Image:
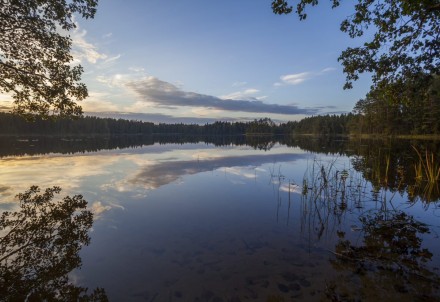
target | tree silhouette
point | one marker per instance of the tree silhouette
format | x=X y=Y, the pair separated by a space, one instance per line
x=404 y=45
x=39 y=246
x=35 y=57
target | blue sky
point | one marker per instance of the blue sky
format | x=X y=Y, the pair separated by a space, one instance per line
x=199 y=61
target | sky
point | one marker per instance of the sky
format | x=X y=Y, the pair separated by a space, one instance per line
x=199 y=61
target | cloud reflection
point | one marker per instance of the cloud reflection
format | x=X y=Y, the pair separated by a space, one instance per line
x=97 y=208
x=162 y=173
x=68 y=172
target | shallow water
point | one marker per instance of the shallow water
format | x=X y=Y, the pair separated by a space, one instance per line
x=200 y=222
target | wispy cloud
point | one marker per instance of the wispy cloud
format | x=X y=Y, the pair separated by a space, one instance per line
x=298 y=78
x=112 y=59
x=244 y=94
x=83 y=50
x=164 y=94
x=295 y=79
x=328 y=69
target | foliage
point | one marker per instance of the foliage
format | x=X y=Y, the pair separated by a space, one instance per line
x=35 y=59
x=323 y=125
x=40 y=245
x=261 y=126
x=405 y=42
x=401 y=107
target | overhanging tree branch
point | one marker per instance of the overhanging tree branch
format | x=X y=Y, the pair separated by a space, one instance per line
x=35 y=58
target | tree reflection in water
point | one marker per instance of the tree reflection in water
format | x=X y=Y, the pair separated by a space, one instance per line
x=390 y=261
x=39 y=246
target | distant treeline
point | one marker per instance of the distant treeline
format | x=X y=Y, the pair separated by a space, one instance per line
x=11 y=124
x=377 y=122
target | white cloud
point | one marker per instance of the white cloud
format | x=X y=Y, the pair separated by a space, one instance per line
x=83 y=50
x=251 y=91
x=296 y=78
x=108 y=35
x=245 y=94
x=328 y=69
x=116 y=80
x=112 y=59
x=120 y=79
x=262 y=97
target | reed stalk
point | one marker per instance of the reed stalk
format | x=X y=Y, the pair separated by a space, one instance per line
x=428 y=167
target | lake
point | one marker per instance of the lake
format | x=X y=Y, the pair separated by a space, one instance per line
x=230 y=218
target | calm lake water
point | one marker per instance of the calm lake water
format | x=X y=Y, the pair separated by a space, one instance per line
x=235 y=219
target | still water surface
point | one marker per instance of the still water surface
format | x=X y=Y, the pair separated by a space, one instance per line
x=264 y=221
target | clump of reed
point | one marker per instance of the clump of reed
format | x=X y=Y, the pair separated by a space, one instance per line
x=427 y=176
x=329 y=183
x=329 y=190
x=428 y=167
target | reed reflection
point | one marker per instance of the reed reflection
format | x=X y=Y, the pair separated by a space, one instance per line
x=380 y=256
x=40 y=245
